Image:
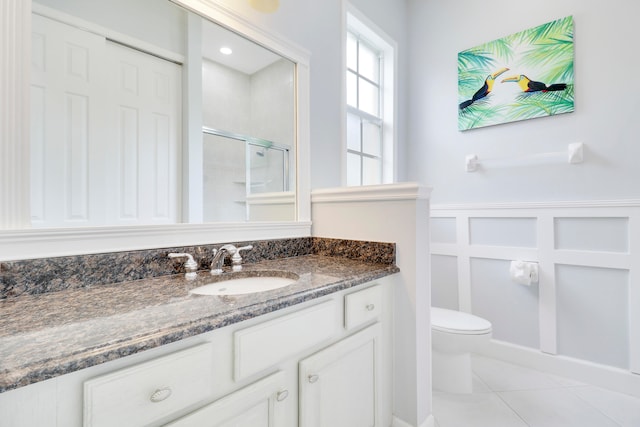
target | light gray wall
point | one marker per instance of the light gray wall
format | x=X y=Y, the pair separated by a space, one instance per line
x=604 y=118
x=226 y=95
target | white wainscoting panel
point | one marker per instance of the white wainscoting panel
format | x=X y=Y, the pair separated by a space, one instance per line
x=592 y=234
x=511 y=308
x=444 y=281
x=516 y=232
x=584 y=310
x=593 y=315
x=443 y=230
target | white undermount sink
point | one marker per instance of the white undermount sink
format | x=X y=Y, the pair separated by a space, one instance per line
x=244 y=285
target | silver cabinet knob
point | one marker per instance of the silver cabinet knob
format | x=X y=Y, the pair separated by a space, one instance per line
x=370 y=307
x=313 y=378
x=282 y=395
x=160 y=394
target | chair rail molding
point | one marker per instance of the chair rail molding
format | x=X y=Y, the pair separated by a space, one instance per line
x=370 y=193
x=567 y=204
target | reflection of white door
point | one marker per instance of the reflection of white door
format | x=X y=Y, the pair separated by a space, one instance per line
x=144 y=136
x=105 y=131
x=65 y=62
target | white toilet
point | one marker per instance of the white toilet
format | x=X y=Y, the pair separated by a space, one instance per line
x=454 y=336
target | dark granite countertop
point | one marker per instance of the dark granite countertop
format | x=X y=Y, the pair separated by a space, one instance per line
x=46 y=335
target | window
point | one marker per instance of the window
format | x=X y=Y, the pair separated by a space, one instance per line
x=369 y=100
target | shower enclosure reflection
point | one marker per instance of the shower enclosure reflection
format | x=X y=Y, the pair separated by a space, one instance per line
x=245 y=178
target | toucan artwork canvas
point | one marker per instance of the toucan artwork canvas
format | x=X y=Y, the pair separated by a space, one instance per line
x=522 y=76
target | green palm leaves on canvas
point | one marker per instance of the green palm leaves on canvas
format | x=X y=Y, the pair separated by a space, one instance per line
x=543 y=55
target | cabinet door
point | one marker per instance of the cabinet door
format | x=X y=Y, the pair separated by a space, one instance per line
x=257 y=405
x=338 y=385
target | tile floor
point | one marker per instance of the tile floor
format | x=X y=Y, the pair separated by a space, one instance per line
x=506 y=395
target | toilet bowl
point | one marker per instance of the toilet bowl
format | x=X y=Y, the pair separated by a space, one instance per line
x=454 y=336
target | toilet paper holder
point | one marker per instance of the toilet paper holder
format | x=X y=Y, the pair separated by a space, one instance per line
x=524 y=272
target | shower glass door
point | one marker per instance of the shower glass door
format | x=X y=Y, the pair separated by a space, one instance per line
x=236 y=166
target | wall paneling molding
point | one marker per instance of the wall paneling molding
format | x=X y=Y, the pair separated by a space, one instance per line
x=588 y=254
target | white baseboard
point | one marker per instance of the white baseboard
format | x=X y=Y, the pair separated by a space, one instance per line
x=429 y=422
x=604 y=376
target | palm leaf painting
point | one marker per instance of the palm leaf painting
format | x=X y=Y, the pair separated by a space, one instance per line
x=522 y=76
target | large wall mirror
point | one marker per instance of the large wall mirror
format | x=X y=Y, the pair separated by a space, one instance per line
x=111 y=83
x=147 y=112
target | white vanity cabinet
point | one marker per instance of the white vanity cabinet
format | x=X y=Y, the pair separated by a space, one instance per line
x=325 y=362
x=145 y=393
x=331 y=368
x=339 y=385
x=257 y=405
x=342 y=384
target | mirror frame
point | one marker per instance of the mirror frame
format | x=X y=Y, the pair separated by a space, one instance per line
x=18 y=241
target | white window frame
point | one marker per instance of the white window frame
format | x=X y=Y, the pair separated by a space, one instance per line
x=357 y=23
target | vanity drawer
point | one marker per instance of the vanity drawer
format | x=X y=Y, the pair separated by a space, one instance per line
x=147 y=392
x=362 y=306
x=265 y=345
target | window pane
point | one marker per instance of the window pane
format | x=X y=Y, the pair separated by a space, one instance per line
x=352 y=89
x=353 y=169
x=353 y=132
x=371 y=139
x=372 y=171
x=369 y=65
x=352 y=52
x=368 y=98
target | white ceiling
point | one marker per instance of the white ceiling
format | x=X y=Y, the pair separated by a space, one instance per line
x=247 y=57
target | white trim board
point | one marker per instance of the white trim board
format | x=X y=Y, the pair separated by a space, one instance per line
x=603 y=376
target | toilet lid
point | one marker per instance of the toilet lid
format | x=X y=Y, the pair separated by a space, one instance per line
x=458 y=322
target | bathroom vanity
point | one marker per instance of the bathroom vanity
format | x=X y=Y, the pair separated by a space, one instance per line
x=148 y=352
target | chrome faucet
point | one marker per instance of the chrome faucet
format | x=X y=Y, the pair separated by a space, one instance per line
x=218 y=257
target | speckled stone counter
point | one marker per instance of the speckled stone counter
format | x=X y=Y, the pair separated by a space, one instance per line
x=37 y=276
x=44 y=335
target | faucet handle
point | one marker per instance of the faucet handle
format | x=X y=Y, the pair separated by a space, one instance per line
x=236 y=259
x=190 y=266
